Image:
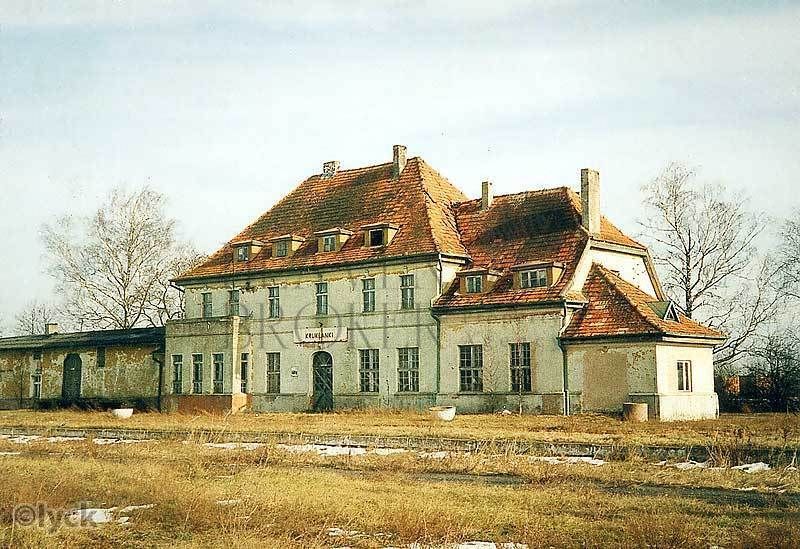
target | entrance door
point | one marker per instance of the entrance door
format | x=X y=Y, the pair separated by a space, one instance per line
x=322 y=399
x=71 y=381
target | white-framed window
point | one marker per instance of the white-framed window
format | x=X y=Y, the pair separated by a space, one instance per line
x=207 y=306
x=244 y=371
x=281 y=248
x=197 y=373
x=536 y=278
x=474 y=284
x=273 y=373
x=407 y=291
x=368 y=294
x=684 y=375
x=219 y=372
x=274 y=301
x=177 y=374
x=329 y=243
x=242 y=253
x=376 y=237
x=408 y=369
x=470 y=368
x=36 y=384
x=369 y=370
x=233 y=302
x=322 y=298
x=520 y=365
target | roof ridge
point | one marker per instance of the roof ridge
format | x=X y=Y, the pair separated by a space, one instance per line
x=520 y=193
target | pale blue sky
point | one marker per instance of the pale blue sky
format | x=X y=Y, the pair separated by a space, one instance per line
x=226 y=106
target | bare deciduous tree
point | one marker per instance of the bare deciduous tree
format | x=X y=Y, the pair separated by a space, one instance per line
x=775 y=372
x=790 y=257
x=32 y=319
x=704 y=245
x=113 y=268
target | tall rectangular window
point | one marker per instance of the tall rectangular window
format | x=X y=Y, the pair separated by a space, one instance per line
x=536 y=278
x=474 y=284
x=197 y=373
x=407 y=291
x=329 y=243
x=233 y=302
x=520 y=367
x=273 y=373
x=101 y=357
x=177 y=374
x=322 y=298
x=684 y=375
x=36 y=384
x=368 y=370
x=207 y=307
x=408 y=369
x=274 y=301
x=470 y=368
x=244 y=371
x=219 y=371
x=368 y=293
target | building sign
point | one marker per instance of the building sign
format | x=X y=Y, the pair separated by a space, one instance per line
x=320 y=335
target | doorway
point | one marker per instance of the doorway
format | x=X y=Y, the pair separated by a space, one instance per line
x=322 y=368
x=71 y=381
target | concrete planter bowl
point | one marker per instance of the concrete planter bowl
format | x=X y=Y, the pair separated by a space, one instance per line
x=443 y=413
x=122 y=413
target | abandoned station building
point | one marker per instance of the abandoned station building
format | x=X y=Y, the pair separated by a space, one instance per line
x=385 y=286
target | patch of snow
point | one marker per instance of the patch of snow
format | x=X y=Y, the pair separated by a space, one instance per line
x=687 y=465
x=64 y=439
x=571 y=460
x=91 y=515
x=752 y=467
x=24 y=439
x=389 y=451
x=228 y=502
x=10 y=453
x=233 y=445
x=339 y=532
x=323 y=449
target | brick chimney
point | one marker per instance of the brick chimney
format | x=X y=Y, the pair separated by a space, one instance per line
x=399 y=159
x=590 y=200
x=330 y=168
x=50 y=328
x=487 y=196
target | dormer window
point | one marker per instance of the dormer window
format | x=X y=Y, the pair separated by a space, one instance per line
x=245 y=250
x=474 y=284
x=286 y=245
x=243 y=253
x=332 y=240
x=379 y=234
x=542 y=274
x=477 y=280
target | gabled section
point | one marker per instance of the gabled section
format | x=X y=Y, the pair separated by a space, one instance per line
x=332 y=240
x=477 y=280
x=379 y=234
x=537 y=274
x=286 y=245
x=245 y=250
x=666 y=310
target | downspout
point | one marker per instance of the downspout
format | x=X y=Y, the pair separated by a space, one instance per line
x=438 y=336
x=159 y=358
x=564 y=365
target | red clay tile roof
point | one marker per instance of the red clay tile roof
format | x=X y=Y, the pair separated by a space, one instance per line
x=617 y=307
x=419 y=201
x=533 y=226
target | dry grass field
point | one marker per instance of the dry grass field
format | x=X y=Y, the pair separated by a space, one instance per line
x=199 y=494
x=270 y=497
x=769 y=430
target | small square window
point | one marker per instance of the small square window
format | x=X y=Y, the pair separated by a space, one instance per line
x=474 y=284
x=376 y=237
x=243 y=253
x=536 y=278
x=329 y=243
x=281 y=248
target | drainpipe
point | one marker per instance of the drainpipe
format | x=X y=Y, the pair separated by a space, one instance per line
x=564 y=365
x=438 y=336
x=159 y=359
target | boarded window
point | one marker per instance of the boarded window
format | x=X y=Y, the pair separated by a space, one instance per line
x=407 y=291
x=368 y=370
x=408 y=369
x=368 y=294
x=273 y=373
x=470 y=368
x=177 y=374
x=520 y=367
x=197 y=373
x=219 y=372
x=101 y=357
x=684 y=375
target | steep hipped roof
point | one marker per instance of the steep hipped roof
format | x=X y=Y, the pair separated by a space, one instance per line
x=419 y=201
x=99 y=338
x=618 y=308
x=534 y=226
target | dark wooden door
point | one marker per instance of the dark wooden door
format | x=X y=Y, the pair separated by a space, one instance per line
x=71 y=382
x=322 y=399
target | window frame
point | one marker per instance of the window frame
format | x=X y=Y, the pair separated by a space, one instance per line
x=100 y=360
x=36 y=384
x=533 y=278
x=244 y=372
x=407 y=297
x=322 y=298
x=243 y=253
x=272 y=376
x=197 y=373
x=369 y=371
x=329 y=243
x=207 y=305
x=273 y=302
x=475 y=289
x=520 y=367
x=281 y=248
x=234 y=304
x=368 y=295
x=177 y=374
x=218 y=362
x=408 y=369
x=372 y=233
x=470 y=369
x=684 y=371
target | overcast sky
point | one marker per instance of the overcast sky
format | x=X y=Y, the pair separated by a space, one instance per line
x=224 y=107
